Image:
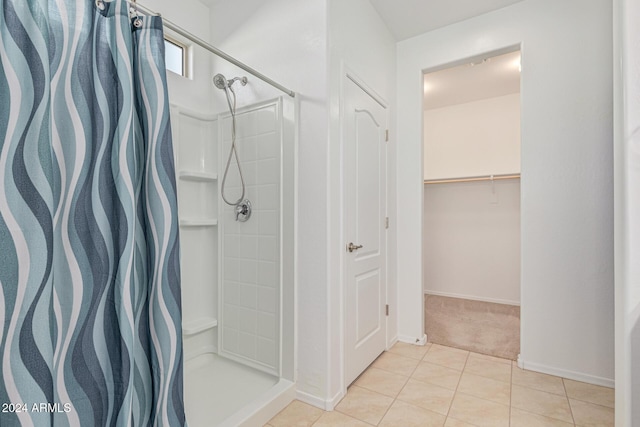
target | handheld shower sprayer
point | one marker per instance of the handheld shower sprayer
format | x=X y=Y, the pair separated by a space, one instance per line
x=220 y=81
x=242 y=205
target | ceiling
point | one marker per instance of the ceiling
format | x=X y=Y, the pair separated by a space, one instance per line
x=481 y=79
x=409 y=18
x=404 y=18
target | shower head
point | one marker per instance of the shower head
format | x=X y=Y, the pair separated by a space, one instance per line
x=221 y=81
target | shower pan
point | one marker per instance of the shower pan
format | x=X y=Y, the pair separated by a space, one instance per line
x=238 y=276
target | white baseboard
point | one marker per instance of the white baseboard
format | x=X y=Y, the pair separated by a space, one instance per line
x=318 y=402
x=311 y=399
x=565 y=373
x=332 y=403
x=392 y=342
x=472 y=297
x=413 y=340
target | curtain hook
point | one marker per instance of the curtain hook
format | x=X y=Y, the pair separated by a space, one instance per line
x=100 y=4
x=137 y=21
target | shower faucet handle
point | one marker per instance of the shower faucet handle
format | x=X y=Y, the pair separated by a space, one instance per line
x=243 y=211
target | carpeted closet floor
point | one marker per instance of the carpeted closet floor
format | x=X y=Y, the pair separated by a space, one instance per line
x=481 y=327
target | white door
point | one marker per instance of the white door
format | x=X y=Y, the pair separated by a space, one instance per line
x=364 y=130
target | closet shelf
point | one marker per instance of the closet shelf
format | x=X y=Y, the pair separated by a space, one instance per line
x=473 y=178
x=199 y=325
x=205 y=222
x=197 y=176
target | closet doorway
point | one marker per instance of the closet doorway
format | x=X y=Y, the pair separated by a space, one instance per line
x=471 y=218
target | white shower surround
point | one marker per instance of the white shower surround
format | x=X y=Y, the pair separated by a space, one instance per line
x=237 y=278
x=250 y=251
x=196 y=123
x=196 y=157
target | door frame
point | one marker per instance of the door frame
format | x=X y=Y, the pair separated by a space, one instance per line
x=443 y=66
x=347 y=74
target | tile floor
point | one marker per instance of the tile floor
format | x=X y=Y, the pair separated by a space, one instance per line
x=443 y=386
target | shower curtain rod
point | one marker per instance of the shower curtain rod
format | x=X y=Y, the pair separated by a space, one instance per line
x=472 y=179
x=177 y=29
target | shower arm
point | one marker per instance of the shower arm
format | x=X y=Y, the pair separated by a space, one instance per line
x=243 y=81
x=197 y=40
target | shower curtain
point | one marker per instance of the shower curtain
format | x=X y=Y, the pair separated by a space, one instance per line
x=90 y=310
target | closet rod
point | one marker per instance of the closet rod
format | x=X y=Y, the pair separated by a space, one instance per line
x=472 y=179
x=184 y=33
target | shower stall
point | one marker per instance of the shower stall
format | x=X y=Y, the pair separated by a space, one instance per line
x=237 y=266
x=235 y=173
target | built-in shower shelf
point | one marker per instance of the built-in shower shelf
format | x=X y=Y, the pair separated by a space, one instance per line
x=208 y=222
x=199 y=325
x=198 y=176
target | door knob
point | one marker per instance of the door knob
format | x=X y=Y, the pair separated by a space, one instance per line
x=351 y=247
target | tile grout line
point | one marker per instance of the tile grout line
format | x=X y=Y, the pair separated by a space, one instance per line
x=455 y=393
x=398 y=394
x=459 y=379
x=510 y=391
x=404 y=385
x=566 y=395
x=410 y=376
x=387 y=411
x=482 y=398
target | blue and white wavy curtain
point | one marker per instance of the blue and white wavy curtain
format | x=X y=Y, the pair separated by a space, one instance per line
x=90 y=310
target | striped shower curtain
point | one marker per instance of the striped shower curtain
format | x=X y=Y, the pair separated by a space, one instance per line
x=90 y=310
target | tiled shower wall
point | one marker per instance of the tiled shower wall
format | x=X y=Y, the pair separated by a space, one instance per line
x=250 y=276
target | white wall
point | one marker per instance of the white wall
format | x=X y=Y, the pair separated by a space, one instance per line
x=472 y=240
x=360 y=42
x=472 y=230
x=193 y=93
x=627 y=196
x=567 y=187
x=289 y=41
x=473 y=139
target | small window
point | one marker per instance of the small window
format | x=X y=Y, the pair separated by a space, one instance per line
x=175 y=57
